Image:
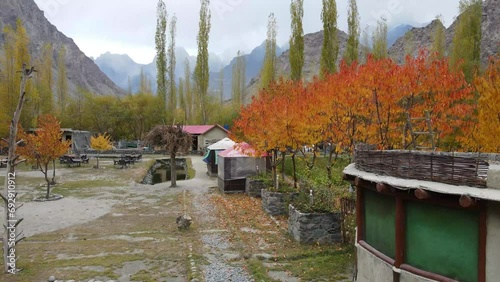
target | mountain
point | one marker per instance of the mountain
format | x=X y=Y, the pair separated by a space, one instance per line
x=396 y=33
x=490 y=43
x=81 y=70
x=253 y=62
x=423 y=37
x=313 y=43
x=121 y=68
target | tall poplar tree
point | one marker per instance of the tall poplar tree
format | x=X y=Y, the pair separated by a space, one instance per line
x=330 y=50
x=439 y=40
x=172 y=104
x=380 y=40
x=268 y=72
x=239 y=80
x=352 y=50
x=467 y=40
x=201 y=71
x=62 y=83
x=297 y=39
x=46 y=80
x=187 y=91
x=182 y=99
x=161 y=54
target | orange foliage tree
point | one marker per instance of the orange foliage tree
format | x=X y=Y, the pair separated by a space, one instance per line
x=44 y=146
x=488 y=87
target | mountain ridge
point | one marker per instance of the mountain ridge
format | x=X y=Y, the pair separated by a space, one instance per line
x=81 y=70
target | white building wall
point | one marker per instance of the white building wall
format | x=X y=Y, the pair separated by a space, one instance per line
x=493 y=243
x=371 y=268
x=410 y=277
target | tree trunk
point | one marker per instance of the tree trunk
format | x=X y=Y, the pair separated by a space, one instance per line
x=283 y=155
x=10 y=220
x=45 y=173
x=294 y=171
x=97 y=167
x=53 y=181
x=173 y=170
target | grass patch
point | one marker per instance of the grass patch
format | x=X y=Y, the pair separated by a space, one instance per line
x=191 y=172
x=259 y=271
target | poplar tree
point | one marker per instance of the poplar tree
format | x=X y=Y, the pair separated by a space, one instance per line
x=297 y=39
x=439 y=40
x=187 y=91
x=46 y=79
x=467 y=39
x=201 y=71
x=380 y=40
x=330 y=50
x=239 y=80
x=182 y=99
x=409 y=43
x=161 y=55
x=62 y=82
x=172 y=105
x=352 y=48
x=268 y=72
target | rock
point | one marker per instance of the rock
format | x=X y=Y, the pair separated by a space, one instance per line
x=183 y=222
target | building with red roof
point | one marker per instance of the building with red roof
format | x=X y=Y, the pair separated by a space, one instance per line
x=205 y=135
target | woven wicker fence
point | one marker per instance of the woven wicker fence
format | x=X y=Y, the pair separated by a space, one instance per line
x=469 y=170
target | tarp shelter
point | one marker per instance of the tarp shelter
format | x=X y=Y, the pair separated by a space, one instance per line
x=236 y=164
x=211 y=157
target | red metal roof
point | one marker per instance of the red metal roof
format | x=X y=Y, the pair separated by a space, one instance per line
x=200 y=129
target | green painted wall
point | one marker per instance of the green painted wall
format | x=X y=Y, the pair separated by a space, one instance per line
x=442 y=240
x=380 y=222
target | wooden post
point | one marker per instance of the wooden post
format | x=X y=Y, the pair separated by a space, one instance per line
x=421 y=194
x=360 y=212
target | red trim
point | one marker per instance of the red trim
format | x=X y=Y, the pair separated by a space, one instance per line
x=425 y=274
x=360 y=213
x=376 y=253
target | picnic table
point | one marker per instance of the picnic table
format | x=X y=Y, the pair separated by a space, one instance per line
x=125 y=160
x=3 y=162
x=74 y=160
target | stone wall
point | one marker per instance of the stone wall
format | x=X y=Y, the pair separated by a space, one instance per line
x=148 y=179
x=276 y=203
x=308 y=228
x=254 y=187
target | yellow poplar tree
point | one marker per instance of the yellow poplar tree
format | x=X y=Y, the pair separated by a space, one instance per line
x=488 y=87
x=100 y=143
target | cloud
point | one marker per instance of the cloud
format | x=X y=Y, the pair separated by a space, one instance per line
x=129 y=25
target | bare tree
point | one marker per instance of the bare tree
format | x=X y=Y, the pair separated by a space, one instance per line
x=11 y=237
x=173 y=139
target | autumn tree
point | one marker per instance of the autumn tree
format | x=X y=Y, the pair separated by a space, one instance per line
x=174 y=140
x=297 y=39
x=100 y=143
x=44 y=146
x=161 y=54
x=488 y=87
x=330 y=50
x=352 y=48
x=172 y=104
x=466 y=50
x=201 y=71
x=268 y=72
x=379 y=40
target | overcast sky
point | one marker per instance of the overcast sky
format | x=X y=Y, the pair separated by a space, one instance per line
x=128 y=26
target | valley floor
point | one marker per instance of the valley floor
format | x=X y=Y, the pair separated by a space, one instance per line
x=110 y=228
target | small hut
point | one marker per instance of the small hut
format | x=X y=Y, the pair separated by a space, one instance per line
x=211 y=157
x=236 y=164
